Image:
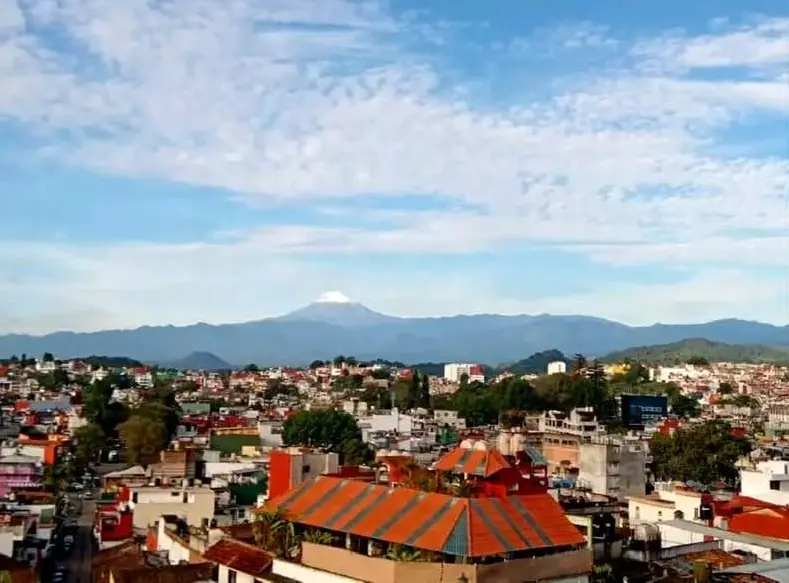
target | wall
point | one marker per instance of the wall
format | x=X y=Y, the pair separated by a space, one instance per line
x=148 y=509
x=575 y=565
x=305 y=574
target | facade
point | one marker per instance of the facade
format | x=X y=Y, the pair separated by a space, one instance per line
x=777 y=420
x=194 y=503
x=453 y=372
x=613 y=468
x=290 y=467
x=768 y=481
x=19 y=471
x=557 y=367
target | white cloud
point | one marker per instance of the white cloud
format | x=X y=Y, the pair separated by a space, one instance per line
x=296 y=99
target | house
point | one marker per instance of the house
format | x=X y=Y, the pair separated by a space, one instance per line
x=351 y=527
x=19 y=471
x=194 y=503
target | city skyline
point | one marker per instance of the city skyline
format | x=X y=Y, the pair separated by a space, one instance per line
x=224 y=162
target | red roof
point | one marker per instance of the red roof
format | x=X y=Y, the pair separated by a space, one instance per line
x=467 y=527
x=478 y=462
x=239 y=556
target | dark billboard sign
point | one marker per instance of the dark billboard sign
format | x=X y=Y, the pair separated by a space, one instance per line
x=638 y=410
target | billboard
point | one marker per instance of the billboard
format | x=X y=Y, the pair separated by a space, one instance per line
x=638 y=410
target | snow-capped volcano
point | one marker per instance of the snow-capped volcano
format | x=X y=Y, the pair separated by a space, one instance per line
x=333 y=297
x=334 y=307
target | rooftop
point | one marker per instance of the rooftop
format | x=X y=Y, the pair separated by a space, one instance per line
x=468 y=527
x=478 y=462
x=239 y=556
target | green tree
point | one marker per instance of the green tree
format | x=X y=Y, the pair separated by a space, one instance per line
x=48 y=357
x=424 y=392
x=705 y=453
x=60 y=377
x=251 y=368
x=143 y=438
x=327 y=429
x=316 y=364
x=725 y=388
x=684 y=406
x=355 y=453
x=90 y=439
x=338 y=360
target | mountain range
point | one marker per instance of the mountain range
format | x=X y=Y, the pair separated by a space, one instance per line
x=335 y=325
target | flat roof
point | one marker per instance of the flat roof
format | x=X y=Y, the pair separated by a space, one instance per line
x=749 y=539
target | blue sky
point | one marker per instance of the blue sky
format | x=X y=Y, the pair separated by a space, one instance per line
x=198 y=160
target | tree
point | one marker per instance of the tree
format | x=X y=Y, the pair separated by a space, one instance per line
x=725 y=388
x=705 y=453
x=48 y=357
x=684 y=406
x=698 y=361
x=424 y=392
x=355 y=453
x=316 y=364
x=579 y=363
x=338 y=360
x=329 y=430
x=60 y=377
x=251 y=368
x=89 y=439
x=143 y=438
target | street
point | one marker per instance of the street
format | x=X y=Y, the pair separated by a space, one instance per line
x=74 y=550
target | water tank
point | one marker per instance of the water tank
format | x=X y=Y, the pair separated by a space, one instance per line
x=517 y=443
x=467 y=444
x=504 y=443
x=646 y=531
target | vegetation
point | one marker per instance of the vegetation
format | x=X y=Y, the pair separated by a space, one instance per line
x=701 y=352
x=537 y=363
x=334 y=431
x=705 y=453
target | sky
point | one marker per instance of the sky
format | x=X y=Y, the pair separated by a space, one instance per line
x=181 y=161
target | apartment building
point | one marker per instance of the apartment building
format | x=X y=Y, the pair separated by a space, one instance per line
x=195 y=504
x=613 y=467
x=453 y=372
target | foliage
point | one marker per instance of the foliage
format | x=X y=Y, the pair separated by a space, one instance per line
x=98 y=406
x=701 y=351
x=319 y=537
x=684 y=406
x=405 y=554
x=725 y=388
x=89 y=440
x=110 y=362
x=275 y=533
x=143 y=437
x=355 y=452
x=56 y=476
x=331 y=430
x=537 y=363
x=705 y=453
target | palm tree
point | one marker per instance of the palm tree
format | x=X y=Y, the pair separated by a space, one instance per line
x=319 y=537
x=404 y=554
x=274 y=532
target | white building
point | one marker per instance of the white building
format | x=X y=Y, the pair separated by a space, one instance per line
x=580 y=422
x=453 y=372
x=557 y=367
x=769 y=481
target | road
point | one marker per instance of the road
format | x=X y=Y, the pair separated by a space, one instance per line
x=77 y=557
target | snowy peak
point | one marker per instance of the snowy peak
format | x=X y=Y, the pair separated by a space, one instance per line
x=333 y=297
x=337 y=309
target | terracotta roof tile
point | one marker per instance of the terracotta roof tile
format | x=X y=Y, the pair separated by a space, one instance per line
x=437 y=522
x=484 y=463
x=239 y=556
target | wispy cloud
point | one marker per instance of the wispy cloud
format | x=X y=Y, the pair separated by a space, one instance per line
x=300 y=102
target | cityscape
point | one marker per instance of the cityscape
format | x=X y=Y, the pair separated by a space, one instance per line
x=386 y=291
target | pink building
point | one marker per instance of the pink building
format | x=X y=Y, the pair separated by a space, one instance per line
x=19 y=471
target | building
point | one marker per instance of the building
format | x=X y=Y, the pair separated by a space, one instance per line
x=777 y=421
x=768 y=481
x=19 y=471
x=557 y=367
x=194 y=503
x=453 y=372
x=290 y=467
x=380 y=534
x=614 y=468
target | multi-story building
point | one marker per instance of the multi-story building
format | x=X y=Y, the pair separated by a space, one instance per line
x=613 y=467
x=19 y=471
x=777 y=420
x=454 y=371
x=768 y=481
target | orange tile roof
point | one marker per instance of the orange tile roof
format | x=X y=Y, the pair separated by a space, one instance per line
x=468 y=527
x=239 y=556
x=479 y=462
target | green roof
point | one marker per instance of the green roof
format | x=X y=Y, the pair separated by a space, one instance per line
x=233 y=443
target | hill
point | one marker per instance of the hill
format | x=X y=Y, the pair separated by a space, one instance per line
x=334 y=327
x=700 y=348
x=199 y=361
x=537 y=363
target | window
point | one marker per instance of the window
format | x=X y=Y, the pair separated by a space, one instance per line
x=638 y=512
x=679 y=515
x=306 y=469
x=231 y=576
x=134 y=497
x=659 y=515
x=775 y=485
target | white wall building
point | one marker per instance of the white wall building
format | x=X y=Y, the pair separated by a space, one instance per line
x=453 y=371
x=557 y=367
x=769 y=481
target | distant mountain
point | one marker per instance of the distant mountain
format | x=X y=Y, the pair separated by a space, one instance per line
x=680 y=352
x=537 y=363
x=335 y=325
x=199 y=361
